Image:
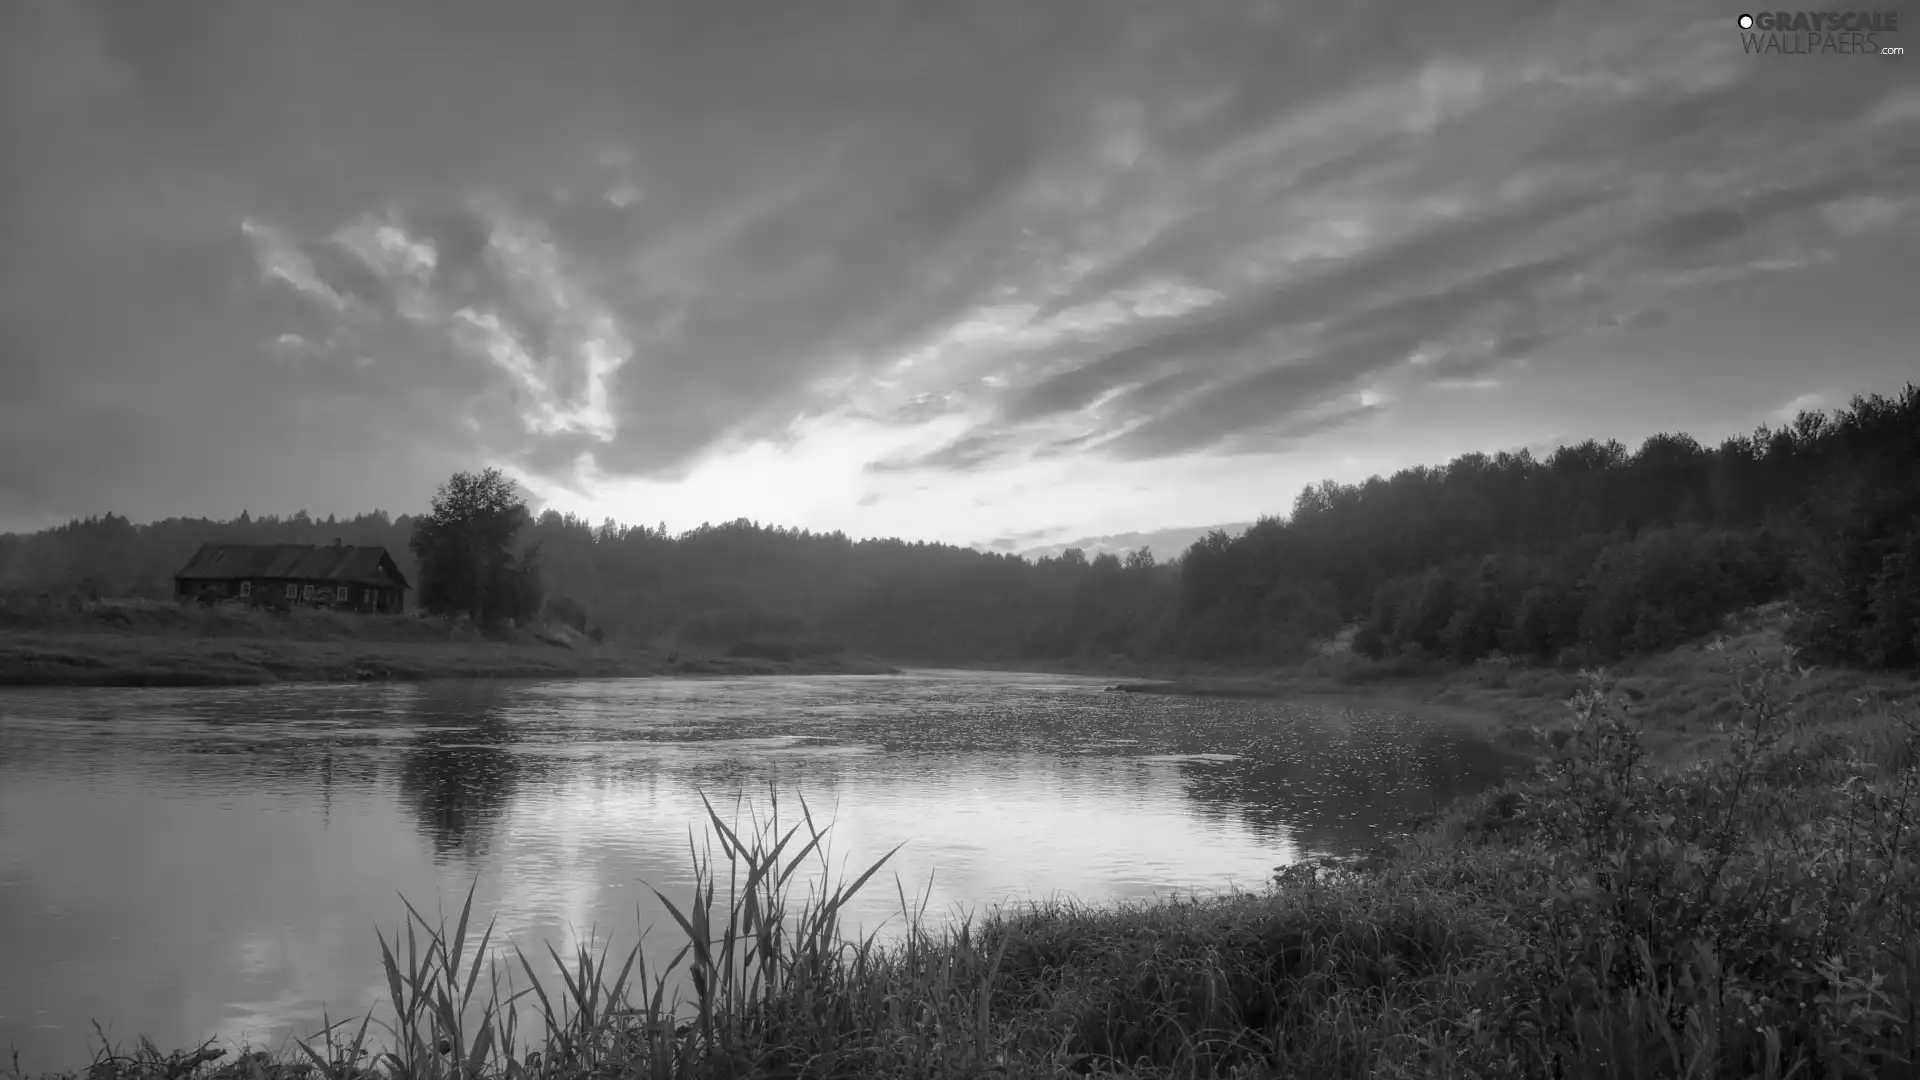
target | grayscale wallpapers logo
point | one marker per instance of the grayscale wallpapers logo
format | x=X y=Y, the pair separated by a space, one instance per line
x=1809 y=33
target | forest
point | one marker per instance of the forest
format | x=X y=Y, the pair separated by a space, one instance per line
x=1580 y=557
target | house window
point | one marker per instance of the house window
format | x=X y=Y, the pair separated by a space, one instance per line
x=293 y=591
x=246 y=588
x=306 y=593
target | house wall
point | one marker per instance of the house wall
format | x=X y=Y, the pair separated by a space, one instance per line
x=193 y=587
x=329 y=594
x=299 y=592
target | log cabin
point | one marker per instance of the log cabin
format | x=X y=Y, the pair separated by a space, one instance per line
x=340 y=576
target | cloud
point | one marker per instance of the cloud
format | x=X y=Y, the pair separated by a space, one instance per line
x=1558 y=256
x=1813 y=401
x=963 y=453
x=1633 y=319
x=1217 y=334
x=1870 y=213
x=1166 y=544
x=974 y=237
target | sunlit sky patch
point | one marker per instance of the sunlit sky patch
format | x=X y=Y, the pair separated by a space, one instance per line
x=958 y=272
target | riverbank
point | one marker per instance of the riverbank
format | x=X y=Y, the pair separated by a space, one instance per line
x=1754 y=914
x=1683 y=696
x=160 y=645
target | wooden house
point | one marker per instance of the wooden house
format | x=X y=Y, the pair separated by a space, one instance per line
x=336 y=576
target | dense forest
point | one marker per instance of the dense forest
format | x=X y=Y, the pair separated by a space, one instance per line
x=1584 y=556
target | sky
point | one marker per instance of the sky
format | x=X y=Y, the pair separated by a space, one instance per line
x=999 y=273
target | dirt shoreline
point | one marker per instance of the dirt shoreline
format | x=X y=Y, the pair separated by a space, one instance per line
x=92 y=658
x=1503 y=717
x=117 y=660
x=1683 y=695
x=1684 y=699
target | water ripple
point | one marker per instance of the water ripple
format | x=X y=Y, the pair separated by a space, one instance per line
x=191 y=862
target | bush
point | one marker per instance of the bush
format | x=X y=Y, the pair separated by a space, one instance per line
x=1754 y=914
x=1409 y=664
x=1890 y=636
x=716 y=628
x=273 y=600
x=1369 y=642
x=762 y=650
x=1423 y=620
x=1748 y=915
x=568 y=612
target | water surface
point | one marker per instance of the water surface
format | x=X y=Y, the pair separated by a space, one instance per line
x=212 y=862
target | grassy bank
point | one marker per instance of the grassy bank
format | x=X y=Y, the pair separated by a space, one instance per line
x=167 y=645
x=1751 y=911
x=1685 y=695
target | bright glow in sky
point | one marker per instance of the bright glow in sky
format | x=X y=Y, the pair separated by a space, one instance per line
x=983 y=272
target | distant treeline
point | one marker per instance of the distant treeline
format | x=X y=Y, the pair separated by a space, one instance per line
x=1593 y=553
x=1584 y=556
x=112 y=557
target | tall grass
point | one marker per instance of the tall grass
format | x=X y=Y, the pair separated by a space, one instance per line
x=1753 y=913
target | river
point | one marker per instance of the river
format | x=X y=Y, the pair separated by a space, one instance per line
x=213 y=862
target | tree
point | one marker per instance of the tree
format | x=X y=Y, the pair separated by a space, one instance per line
x=1588 y=553
x=568 y=611
x=467 y=552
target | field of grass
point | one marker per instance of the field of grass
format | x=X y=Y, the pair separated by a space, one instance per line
x=156 y=644
x=1685 y=695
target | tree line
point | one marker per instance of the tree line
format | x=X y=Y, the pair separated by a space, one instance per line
x=1585 y=555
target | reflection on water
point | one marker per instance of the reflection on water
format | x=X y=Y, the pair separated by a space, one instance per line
x=457 y=772
x=187 y=863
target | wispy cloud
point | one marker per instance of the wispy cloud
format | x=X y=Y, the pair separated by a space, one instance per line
x=590 y=244
x=1813 y=401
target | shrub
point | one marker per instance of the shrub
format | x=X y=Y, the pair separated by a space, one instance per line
x=763 y=650
x=1545 y=621
x=1890 y=636
x=1423 y=620
x=1752 y=914
x=1369 y=641
x=567 y=611
x=1748 y=915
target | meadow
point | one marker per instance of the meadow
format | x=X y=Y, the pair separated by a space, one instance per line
x=156 y=643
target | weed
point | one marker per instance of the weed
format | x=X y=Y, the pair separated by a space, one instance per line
x=1751 y=912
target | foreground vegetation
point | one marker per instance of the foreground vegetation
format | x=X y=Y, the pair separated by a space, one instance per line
x=1686 y=693
x=1754 y=911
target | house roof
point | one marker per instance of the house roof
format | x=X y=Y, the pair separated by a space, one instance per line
x=305 y=562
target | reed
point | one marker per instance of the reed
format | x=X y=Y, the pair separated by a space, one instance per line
x=1752 y=912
